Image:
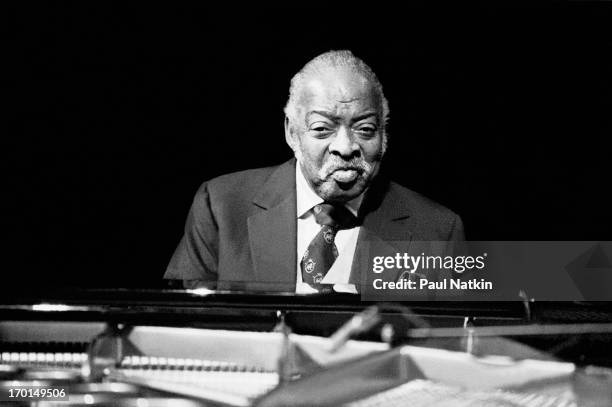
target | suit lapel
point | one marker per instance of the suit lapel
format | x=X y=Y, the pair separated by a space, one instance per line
x=273 y=231
x=384 y=230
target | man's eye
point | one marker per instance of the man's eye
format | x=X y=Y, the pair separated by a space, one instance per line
x=367 y=130
x=320 y=126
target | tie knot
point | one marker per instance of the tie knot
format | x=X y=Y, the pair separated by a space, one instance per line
x=337 y=216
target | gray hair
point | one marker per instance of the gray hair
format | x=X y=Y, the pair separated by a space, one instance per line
x=334 y=59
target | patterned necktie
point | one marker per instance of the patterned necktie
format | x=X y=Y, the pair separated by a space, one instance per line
x=322 y=251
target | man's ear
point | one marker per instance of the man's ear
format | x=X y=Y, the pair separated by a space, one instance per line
x=290 y=136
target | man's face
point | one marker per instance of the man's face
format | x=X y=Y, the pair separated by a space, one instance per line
x=338 y=137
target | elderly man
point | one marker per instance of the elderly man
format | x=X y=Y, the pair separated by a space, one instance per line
x=304 y=225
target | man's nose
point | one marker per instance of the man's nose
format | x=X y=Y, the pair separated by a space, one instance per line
x=343 y=143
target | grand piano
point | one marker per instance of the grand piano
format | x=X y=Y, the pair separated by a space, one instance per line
x=202 y=348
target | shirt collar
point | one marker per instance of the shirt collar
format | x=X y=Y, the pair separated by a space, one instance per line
x=307 y=198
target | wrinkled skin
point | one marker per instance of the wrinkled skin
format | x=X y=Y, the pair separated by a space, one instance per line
x=337 y=137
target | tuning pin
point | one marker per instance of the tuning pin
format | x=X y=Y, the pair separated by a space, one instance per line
x=387 y=333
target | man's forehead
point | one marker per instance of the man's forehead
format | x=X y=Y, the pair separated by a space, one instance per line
x=338 y=89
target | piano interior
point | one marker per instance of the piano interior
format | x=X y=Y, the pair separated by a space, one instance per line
x=272 y=354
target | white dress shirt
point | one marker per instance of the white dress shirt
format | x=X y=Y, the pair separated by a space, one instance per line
x=307 y=229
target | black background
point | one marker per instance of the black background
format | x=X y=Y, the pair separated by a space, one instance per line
x=120 y=112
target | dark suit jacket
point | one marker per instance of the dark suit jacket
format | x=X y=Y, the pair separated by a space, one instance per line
x=241 y=230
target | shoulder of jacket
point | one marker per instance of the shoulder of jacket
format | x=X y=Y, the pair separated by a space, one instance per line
x=246 y=182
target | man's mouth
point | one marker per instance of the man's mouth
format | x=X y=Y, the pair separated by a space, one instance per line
x=345 y=175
